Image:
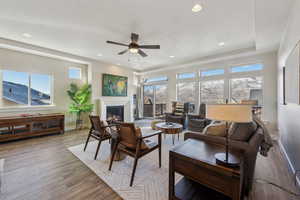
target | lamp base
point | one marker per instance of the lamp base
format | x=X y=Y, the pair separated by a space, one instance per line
x=231 y=162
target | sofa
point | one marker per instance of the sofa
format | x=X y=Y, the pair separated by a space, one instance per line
x=238 y=140
x=197 y=122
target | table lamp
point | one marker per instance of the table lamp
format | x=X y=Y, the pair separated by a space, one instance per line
x=229 y=113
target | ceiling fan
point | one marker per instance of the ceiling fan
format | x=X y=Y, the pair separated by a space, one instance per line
x=134 y=47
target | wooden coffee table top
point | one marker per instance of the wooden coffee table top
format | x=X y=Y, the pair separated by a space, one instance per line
x=163 y=126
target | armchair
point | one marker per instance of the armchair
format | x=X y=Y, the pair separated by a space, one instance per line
x=177 y=115
x=249 y=149
x=99 y=132
x=133 y=143
x=198 y=122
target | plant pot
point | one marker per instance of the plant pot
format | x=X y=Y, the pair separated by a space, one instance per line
x=79 y=124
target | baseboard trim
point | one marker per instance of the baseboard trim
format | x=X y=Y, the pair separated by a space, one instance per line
x=289 y=161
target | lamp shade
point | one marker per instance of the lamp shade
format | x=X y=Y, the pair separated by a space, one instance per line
x=229 y=112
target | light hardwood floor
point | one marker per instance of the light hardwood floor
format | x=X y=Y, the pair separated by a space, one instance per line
x=43 y=168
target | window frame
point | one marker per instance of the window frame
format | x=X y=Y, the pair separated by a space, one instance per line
x=212 y=76
x=28 y=105
x=223 y=78
x=247 y=64
x=156 y=82
x=80 y=74
x=186 y=79
x=248 y=76
x=190 y=81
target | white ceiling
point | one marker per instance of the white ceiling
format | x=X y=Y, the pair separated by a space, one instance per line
x=82 y=27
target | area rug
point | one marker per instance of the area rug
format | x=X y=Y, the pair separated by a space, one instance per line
x=150 y=183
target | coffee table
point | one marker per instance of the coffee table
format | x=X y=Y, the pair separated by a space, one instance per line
x=172 y=128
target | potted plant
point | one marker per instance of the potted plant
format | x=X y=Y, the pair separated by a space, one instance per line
x=81 y=101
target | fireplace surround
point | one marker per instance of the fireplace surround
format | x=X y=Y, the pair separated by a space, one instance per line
x=115 y=113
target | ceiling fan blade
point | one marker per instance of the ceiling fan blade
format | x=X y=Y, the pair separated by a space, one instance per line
x=117 y=43
x=122 y=52
x=142 y=53
x=134 y=37
x=149 y=46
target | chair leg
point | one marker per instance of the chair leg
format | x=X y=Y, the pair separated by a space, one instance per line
x=133 y=171
x=178 y=136
x=159 y=150
x=173 y=138
x=113 y=156
x=98 y=147
x=136 y=157
x=87 y=141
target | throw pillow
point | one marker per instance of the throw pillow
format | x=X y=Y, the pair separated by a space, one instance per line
x=216 y=129
x=242 y=131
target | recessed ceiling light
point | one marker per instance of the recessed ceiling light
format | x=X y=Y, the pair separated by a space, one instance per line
x=172 y=56
x=222 y=44
x=27 y=35
x=197 y=8
x=99 y=54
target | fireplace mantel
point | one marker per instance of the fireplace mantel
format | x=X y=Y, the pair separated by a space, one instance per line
x=103 y=103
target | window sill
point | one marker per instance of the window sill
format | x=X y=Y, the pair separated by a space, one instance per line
x=27 y=108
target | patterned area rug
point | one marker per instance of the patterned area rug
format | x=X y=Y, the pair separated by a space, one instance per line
x=150 y=183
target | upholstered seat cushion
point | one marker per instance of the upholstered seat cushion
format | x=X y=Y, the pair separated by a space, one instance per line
x=242 y=131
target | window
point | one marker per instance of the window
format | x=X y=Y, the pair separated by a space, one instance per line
x=212 y=91
x=74 y=73
x=155 y=95
x=247 y=68
x=186 y=92
x=14 y=88
x=161 y=99
x=16 y=92
x=40 y=89
x=186 y=75
x=156 y=79
x=246 y=89
x=212 y=72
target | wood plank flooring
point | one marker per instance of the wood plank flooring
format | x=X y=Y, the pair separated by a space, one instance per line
x=43 y=169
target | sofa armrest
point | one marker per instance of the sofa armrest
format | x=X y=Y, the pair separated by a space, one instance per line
x=238 y=145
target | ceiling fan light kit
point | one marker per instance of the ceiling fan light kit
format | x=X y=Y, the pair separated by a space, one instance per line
x=134 y=47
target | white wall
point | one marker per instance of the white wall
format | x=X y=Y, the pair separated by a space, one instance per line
x=98 y=69
x=47 y=61
x=289 y=115
x=269 y=60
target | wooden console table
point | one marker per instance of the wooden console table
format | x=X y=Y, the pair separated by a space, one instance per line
x=19 y=127
x=203 y=178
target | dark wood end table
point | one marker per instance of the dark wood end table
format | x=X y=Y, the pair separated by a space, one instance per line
x=203 y=178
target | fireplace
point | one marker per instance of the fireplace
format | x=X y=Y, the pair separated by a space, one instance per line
x=115 y=113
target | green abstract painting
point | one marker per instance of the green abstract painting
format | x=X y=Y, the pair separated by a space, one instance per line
x=113 y=85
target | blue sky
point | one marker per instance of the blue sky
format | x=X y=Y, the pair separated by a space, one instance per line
x=39 y=82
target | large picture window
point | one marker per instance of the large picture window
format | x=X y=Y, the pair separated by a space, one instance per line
x=24 y=89
x=212 y=91
x=244 y=89
x=186 y=92
x=40 y=89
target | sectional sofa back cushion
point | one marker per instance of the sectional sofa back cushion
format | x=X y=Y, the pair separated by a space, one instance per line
x=242 y=131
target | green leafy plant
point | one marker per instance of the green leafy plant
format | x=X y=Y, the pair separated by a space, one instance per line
x=81 y=101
